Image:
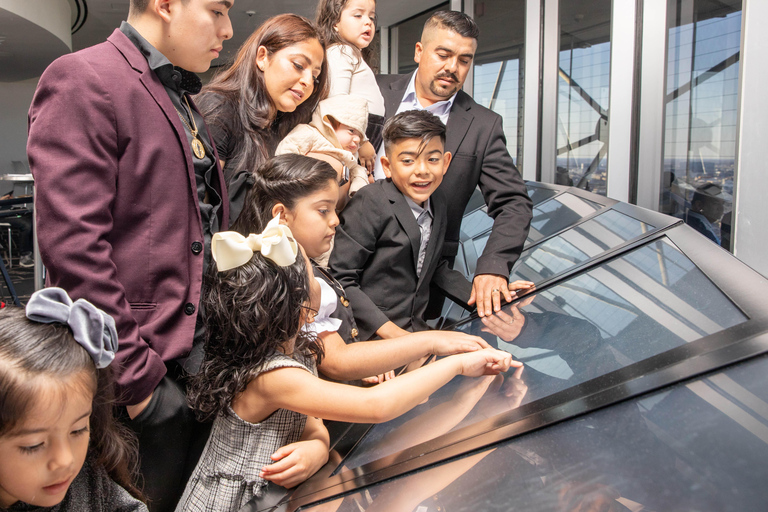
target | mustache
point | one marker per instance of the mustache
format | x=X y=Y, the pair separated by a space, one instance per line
x=447 y=74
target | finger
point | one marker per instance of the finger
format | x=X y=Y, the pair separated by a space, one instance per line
x=495 y=322
x=278 y=467
x=507 y=294
x=473 y=296
x=283 y=451
x=519 y=372
x=480 y=342
x=499 y=359
x=283 y=479
x=461 y=347
x=503 y=317
x=487 y=302
x=496 y=298
x=520 y=285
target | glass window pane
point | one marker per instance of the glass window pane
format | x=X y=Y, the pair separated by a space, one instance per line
x=499 y=64
x=647 y=302
x=539 y=194
x=476 y=223
x=575 y=246
x=700 y=114
x=551 y=216
x=583 y=92
x=699 y=445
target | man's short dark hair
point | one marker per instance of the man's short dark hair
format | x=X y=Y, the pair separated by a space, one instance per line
x=413 y=124
x=455 y=21
x=139 y=6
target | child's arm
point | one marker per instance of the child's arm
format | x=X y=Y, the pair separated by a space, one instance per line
x=359 y=360
x=297 y=390
x=367 y=155
x=296 y=462
x=390 y=330
x=341 y=66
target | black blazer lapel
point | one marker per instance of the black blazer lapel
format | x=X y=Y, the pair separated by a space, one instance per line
x=458 y=123
x=405 y=218
x=393 y=94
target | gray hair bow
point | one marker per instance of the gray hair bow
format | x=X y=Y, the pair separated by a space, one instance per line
x=91 y=327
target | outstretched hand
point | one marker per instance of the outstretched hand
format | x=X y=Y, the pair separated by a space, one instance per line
x=446 y=343
x=488 y=290
x=488 y=361
x=295 y=463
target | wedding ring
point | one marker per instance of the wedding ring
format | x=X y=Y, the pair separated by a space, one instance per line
x=495 y=290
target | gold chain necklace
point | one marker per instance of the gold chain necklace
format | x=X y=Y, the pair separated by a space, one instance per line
x=197 y=147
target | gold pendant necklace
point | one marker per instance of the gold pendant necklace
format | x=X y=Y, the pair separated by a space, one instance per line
x=197 y=147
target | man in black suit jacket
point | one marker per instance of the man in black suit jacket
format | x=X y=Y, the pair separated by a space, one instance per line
x=476 y=139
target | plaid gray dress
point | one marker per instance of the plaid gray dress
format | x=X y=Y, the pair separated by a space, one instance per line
x=227 y=475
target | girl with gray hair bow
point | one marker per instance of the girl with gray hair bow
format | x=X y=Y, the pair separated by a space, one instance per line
x=60 y=447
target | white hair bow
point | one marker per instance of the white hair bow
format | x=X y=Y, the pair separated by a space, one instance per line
x=230 y=249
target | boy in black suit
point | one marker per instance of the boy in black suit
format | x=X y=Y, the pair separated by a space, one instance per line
x=389 y=245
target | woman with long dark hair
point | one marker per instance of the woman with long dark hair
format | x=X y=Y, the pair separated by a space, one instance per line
x=278 y=77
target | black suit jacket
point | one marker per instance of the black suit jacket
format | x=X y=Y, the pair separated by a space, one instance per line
x=375 y=254
x=476 y=139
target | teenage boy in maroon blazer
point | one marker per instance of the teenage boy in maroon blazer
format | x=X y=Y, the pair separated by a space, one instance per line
x=128 y=192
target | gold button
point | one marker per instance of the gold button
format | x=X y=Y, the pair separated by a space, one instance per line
x=354 y=333
x=344 y=302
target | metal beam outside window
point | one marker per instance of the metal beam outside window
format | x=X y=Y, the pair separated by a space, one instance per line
x=623 y=25
x=531 y=88
x=551 y=67
x=650 y=158
x=749 y=210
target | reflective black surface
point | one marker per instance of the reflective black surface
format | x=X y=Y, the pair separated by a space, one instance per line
x=611 y=411
x=700 y=445
x=539 y=194
x=600 y=234
x=558 y=213
x=622 y=312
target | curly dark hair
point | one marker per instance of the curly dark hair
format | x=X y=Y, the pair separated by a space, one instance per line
x=31 y=349
x=250 y=312
x=237 y=97
x=328 y=15
x=281 y=179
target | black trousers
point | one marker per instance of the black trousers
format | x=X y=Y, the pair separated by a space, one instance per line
x=170 y=442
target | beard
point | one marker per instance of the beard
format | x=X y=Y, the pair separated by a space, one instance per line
x=444 y=91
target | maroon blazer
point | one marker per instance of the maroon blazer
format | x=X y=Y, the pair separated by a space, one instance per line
x=118 y=220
